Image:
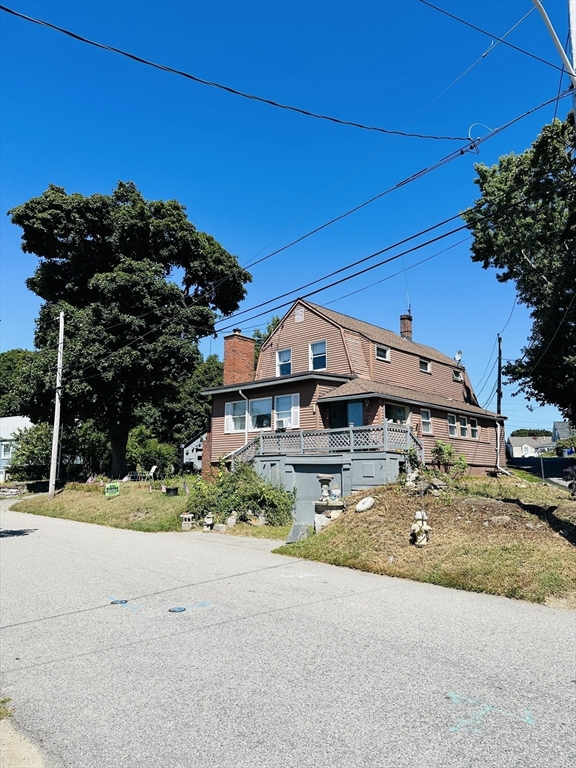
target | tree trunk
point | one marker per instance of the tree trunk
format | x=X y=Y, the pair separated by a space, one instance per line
x=118 y=469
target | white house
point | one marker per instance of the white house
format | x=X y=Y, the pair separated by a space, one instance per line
x=9 y=426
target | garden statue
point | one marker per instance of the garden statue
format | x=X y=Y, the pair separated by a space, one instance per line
x=420 y=530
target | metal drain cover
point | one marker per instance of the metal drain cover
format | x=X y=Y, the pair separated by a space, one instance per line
x=177 y=609
x=119 y=602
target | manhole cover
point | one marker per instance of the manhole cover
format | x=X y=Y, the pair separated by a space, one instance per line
x=177 y=609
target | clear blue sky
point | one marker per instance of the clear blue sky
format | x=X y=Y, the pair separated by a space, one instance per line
x=252 y=175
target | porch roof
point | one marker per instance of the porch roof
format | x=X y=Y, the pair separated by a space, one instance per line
x=361 y=388
x=279 y=381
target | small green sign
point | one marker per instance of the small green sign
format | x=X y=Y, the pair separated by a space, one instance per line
x=112 y=489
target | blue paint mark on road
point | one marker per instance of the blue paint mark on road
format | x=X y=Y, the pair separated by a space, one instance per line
x=201 y=604
x=123 y=603
x=479 y=711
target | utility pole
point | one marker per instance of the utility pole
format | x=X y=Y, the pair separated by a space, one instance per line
x=499 y=385
x=55 y=433
x=568 y=65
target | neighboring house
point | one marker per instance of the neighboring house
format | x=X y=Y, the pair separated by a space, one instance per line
x=562 y=430
x=334 y=394
x=518 y=447
x=9 y=425
x=192 y=451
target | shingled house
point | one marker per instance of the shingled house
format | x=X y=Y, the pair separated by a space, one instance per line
x=334 y=394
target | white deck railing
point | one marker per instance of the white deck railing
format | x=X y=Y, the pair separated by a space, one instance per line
x=379 y=437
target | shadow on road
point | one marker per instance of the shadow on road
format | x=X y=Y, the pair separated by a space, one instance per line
x=8 y=533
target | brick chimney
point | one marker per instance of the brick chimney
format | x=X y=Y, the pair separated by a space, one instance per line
x=406 y=326
x=238 y=358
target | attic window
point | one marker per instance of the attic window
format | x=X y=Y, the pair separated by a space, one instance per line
x=425 y=365
x=382 y=353
x=299 y=315
x=457 y=376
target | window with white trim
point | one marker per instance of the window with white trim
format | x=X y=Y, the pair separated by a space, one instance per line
x=283 y=362
x=426 y=418
x=6 y=450
x=395 y=414
x=463 y=422
x=318 y=356
x=287 y=411
x=474 y=432
x=457 y=376
x=235 y=416
x=260 y=413
x=452 y=425
x=425 y=365
x=382 y=353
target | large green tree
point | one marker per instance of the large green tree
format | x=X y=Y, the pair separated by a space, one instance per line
x=139 y=285
x=14 y=366
x=524 y=225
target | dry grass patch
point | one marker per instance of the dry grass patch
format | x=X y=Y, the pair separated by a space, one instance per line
x=525 y=557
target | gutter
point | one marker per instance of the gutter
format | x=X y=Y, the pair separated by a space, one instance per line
x=498 y=467
x=245 y=417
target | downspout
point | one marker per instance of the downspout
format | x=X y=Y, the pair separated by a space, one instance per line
x=245 y=417
x=498 y=467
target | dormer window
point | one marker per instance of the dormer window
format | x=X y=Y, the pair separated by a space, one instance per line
x=457 y=376
x=284 y=362
x=425 y=365
x=382 y=353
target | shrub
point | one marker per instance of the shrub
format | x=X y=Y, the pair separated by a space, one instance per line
x=443 y=455
x=242 y=491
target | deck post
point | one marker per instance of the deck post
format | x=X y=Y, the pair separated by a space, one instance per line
x=351 y=439
x=302 y=442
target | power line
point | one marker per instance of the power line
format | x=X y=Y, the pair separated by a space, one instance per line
x=404 y=269
x=471 y=146
x=406 y=124
x=226 y=88
x=489 y=34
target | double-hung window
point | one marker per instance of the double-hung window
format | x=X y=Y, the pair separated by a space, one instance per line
x=287 y=411
x=463 y=421
x=6 y=450
x=452 y=425
x=396 y=414
x=235 y=416
x=318 y=356
x=261 y=413
x=284 y=362
x=474 y=433
x=426 y=418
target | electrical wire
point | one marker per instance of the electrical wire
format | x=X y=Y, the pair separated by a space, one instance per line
x=226 y=88
x=471 y=146
x=489 y=34
x=403 y=270
x=489 y=50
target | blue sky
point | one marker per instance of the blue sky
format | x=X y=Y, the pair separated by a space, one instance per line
x=256 y=177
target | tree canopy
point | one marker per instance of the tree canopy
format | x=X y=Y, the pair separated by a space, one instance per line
x=111 y=263
x=531 y=433
x=524 y=225
x=13 y=366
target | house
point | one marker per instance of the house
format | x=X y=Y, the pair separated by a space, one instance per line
x=334 y=394
x=562 y=430
x=9 y=426
x=521 y=447
x=192 y=451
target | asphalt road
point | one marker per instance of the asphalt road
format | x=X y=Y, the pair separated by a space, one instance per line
x=275 y=661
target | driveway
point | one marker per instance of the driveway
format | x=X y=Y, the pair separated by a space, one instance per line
x=275 y=662
x=553 y=467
